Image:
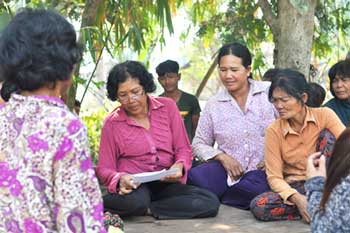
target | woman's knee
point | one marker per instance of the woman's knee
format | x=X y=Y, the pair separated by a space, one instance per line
x=206 y=203
x=129 y=205
x=258 y=207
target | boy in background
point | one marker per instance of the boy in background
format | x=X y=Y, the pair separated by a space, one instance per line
x=188 y=105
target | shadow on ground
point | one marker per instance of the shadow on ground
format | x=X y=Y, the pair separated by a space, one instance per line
x=228 y=220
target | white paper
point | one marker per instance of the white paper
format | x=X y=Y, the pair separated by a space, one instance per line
x=152 y=176
x=232 y=182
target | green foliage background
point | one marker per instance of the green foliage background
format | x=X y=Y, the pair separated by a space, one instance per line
x=94 y=123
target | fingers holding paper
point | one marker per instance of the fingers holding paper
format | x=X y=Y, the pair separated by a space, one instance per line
x=175 y=177
x=126 y=184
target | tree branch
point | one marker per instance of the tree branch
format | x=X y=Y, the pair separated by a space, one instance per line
x=268 y=15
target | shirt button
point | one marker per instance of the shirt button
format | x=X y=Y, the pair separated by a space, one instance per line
x=157 y=159
x=246 y=146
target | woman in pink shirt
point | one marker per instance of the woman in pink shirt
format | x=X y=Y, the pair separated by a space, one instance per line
x=146 y=134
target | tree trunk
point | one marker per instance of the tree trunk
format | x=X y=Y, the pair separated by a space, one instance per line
x=293 y=30
x=293 y=43
x=88 y=19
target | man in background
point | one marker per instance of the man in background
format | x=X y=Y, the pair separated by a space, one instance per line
x=169 y=77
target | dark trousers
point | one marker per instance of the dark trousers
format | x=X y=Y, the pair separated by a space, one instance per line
x=213 y=177
x=165 y=200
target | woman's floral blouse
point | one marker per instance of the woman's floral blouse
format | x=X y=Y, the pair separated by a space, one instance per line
x=47 y=182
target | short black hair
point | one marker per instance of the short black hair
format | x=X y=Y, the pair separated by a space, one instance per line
x=269 y=74
x=317 y=94
x=77 y=103
x=237 y=50
x=342 y=69
x=168 y=66
x=37 y=48
x=7 y=89
x=290 y=81
x=129 y=69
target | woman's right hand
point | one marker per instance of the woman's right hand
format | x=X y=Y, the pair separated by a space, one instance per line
x=126 y=184
x=301 y=202
x=316 y=165
x=233 y=168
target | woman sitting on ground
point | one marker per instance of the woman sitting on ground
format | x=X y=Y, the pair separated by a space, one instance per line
x=328 y=192
x=235 y=119
x=47 y=182
x=146 y=134
x=339 y=78
x=289 y=141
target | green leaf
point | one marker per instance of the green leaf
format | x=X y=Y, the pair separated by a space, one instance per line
x=4 y=20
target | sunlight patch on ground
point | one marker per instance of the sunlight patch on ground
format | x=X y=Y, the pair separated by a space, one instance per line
x=221 y=227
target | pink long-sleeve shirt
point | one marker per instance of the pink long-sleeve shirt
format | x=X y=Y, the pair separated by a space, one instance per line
x=128 y=148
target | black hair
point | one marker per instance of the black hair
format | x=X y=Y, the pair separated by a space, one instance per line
x=7 y=89
x=238 y=50
x=342 y=69
x=37 y=48
x=339 y=165
x=316 y=96
x=129 y=69
x=168 y=66
x=77 y=103
x=269 y=74
x=290 y=81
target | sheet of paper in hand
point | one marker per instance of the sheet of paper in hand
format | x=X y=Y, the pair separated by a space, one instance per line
x=152 y=176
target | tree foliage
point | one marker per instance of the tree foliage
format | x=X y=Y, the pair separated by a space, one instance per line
x=244 y=21
x=111 y=25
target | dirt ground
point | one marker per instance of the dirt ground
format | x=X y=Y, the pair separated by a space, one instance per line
x=228 y=220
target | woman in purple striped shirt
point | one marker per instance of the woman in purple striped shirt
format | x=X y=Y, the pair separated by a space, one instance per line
x=235 y=119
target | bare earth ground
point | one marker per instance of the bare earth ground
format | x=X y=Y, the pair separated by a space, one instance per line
x=228 y=220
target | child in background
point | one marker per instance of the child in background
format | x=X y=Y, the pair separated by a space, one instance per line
x=316 y=96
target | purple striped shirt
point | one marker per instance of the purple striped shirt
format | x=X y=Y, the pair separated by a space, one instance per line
x=236 y=133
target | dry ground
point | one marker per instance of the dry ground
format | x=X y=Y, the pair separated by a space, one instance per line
x=228 y=220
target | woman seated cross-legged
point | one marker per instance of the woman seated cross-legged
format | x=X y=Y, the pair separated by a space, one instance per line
x=289 y=141
x=235 y=119
x=146 y=134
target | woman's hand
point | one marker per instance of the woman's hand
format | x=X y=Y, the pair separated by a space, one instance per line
x=301 y=202
x=176 y=177
x=233 y=168
x=126 y=184
x=316 y=165
x=261 y=166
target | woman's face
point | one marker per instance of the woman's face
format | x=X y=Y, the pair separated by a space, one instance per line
x=287 y=106
x=232 y=73
x=132 y=96
x=341 y=87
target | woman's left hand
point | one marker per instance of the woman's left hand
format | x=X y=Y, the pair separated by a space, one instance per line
x=316 y=165
x=176 y=177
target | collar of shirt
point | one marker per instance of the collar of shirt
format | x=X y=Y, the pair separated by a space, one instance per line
x=286 y=128
x=37 y=98
x=119 y=113
x=256 y=87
